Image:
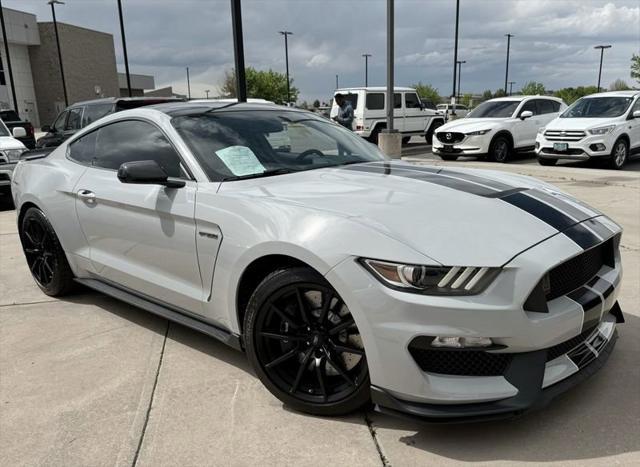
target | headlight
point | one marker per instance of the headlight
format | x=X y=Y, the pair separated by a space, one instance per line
x=603 y=130
x=13 y=155
x=431 y=280
x=478 y=133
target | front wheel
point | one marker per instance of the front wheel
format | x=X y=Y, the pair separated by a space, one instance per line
x=499 y=149
x=547 y=162
x=429 y=134
x=304 y=344
x=619 y=155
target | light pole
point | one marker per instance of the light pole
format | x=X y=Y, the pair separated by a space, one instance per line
x=511 y=83
x=188 y=85
x=455 y=59
x=506 y=73
x=366 y=69
x=390 y=60
x=337 y=86
x=460 y=62
x=286 y=59
x=601 y=47
x=238 y=50
x=55 y=27
x=124 y=47
x=206 y=91
x=9 y=69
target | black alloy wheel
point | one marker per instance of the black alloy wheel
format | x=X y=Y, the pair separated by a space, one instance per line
x=304 y=344
x=43 y=252
x=499 y=149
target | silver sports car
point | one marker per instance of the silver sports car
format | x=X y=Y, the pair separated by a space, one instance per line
x=443 y=294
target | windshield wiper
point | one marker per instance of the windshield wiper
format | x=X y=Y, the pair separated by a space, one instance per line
x=266 y=173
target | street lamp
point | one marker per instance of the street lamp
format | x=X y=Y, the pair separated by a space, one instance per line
x=506 y=73
x=511 y=83
x=9 y=69
x=601 y=47
x=460 y=62
x=286 y=59
x=124 y=47
x=55 y=27
x=206 y=91
x=238 y=50
x=455 y=58
x=188 y=85
x=366 y=69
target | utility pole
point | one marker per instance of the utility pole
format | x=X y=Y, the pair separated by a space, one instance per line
x=460 y=62
x=188 y=85
x=9 y=69
x=506 y=74
x=455 y=59
x=390 y=63
x=286 y=59
x=206 y=91
x=366 y=69
x=238 y=50
x=511 y=83
x=601 y=47
x=337 y=86
x=124 y=47
x=55 y=27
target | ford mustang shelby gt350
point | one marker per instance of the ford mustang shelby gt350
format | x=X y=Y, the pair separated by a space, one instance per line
x=444 y=294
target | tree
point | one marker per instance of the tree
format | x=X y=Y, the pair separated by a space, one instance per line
x=269 y=85
x=487 y=95
x=570 y=95
x=427 y=92
x=467 y=99
x=635 y=67
x=316 y=103
x=619 y=85
x=533 y=88
x=499 y=93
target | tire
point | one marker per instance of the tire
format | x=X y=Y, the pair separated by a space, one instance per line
x=432 y=129
x=448 y=157
x=499 y=149
x=547 y=162
x=312 y=359
x=619 y=155
x=44 y=254
x=406 y=139
x=374 y=135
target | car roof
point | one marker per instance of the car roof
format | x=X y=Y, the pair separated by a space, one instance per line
x=522 y=98
x=113 y=100
x=175 y=109
x=629 y=93
x=373 y=88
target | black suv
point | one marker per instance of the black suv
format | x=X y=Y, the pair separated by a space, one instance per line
x=81 y=114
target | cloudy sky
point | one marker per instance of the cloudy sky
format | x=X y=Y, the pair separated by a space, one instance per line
x=553 y=40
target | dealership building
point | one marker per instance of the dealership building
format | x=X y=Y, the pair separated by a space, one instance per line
x=88 y=59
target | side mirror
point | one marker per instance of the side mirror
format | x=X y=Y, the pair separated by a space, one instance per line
x=46 y=129
x=636 y=114
x=147 y=173
x=526 y=114
x=19 y=132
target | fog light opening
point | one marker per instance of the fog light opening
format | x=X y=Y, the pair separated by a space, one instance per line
x=598 y=147
x=461 y=342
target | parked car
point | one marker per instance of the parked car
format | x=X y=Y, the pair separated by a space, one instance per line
x=604 y=126
x=497 y=128
x=447 y=109
x=441 y=294
x=10 y=151
x=411 y=116
x=12 y=120
x=81 y=114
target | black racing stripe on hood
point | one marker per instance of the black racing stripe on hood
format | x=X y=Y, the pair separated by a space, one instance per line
x=561 y=205
x=582 y=236
x=542 y=211
x=586 y=298
x=599 y=228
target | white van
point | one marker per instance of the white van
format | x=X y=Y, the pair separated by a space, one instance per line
x=410 y=116
x=447 y=109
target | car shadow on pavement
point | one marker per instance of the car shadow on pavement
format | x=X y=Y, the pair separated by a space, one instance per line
x=6 y=202
x=598 y=418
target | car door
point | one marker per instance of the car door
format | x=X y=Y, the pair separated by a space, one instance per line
x=398 y=112
x=141 y=237
x=415 y=118
x=525 y=131
x=633 y=127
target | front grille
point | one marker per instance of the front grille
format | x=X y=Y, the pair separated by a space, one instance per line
x=450 y=137
x=577 y=271
x=569 y=151
x=4 y=178
x=460 y=362
x=564 y=347
x=564 y=135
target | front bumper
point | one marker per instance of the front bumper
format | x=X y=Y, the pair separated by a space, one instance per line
x=6 y=170
x=469 y=146
x=576 y=150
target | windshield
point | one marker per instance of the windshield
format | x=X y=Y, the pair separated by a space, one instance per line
x=598 y=107
x=242 y=144
x=3 y=130
x=494 y=109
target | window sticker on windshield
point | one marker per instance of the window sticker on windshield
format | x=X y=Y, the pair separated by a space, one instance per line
x=240 y=160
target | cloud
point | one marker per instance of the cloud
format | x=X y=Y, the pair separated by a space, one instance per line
x=318 y=60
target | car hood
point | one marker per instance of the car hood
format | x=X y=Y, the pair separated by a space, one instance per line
x=8 y=142
x=578 y=123
x=466 y=125
x=461 y=217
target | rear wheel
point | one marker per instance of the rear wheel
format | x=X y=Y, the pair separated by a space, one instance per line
x=547 y=162
x=44 y=254
x=499 y=149
x=375 y=135
x=619 y=155
x=304 y=344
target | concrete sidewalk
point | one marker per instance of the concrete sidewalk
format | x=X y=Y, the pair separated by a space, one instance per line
x=91 y=381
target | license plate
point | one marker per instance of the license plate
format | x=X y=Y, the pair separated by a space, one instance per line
x=448 y=148
x=560 y=147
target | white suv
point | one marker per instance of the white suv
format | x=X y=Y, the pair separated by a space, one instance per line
x=411 y=116
x=604 y=125
x=497 y=128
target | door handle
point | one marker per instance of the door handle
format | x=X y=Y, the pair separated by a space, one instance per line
x=87 y=195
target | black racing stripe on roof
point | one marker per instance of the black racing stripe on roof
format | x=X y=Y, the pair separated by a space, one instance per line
x=582 y=236
x=542 y=211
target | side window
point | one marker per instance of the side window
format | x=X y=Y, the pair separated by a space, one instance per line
x=375 y=101
x=556 y=106
x=134 y=140
x=74 y=121
x=353 y=98
x=636 y=106
x=545 y=106
x=411 y=101
x=397 y=100
x=61 y=121
x=530 y=106
x=94 y=112
x=83 y=149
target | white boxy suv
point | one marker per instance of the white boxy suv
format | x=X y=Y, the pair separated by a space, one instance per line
x=411 y=115
x=497 y=128
x=604 y=126
x=10 y=151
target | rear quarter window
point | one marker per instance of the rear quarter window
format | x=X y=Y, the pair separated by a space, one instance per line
x=83 y=149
